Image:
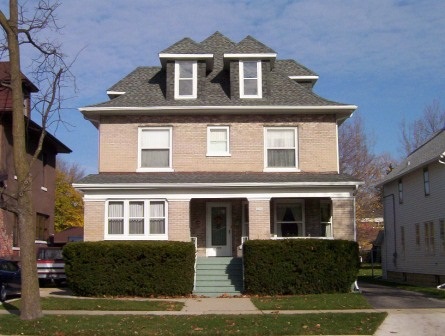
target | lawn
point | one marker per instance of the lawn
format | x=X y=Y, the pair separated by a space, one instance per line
x=52 y=303
x=273 y=324
x=312 y=302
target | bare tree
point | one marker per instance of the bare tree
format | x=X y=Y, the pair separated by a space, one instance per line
x=417 y=132
x=49 y=72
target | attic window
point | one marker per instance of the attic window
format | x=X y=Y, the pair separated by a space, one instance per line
x=250 y=79
x=186 y=79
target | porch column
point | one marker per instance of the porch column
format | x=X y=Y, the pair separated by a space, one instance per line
x=179 y=220
x=259 y=218
x=343 y=218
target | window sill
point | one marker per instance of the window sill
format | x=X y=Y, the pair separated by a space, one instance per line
x=135 y=237
x=145 y=170
x=282 y=170
x=218 y=155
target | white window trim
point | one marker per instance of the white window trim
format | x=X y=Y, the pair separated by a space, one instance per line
x=170 y=157
x=209 y=152
x=281 y=169
x=126 y=235
x=259 y=80
x=194 y=80
x=329 y=223
x=301 y=226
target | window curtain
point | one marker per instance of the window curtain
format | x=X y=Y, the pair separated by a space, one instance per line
x=281 y=148
x=157 y=218
x=116 y=218
x=218 y=140
x=136 y=218
x=155 y=146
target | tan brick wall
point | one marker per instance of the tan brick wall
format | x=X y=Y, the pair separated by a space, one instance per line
x=259 y=219
x=343 y=220
x=316 y=141
x=94 y=213
x=178 y=220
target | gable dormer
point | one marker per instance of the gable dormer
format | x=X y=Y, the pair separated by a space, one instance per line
x=249 y=63
x=186 y=65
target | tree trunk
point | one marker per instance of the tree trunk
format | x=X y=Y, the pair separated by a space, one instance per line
x=30 y=308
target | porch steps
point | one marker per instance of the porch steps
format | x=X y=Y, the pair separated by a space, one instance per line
x=216 y=276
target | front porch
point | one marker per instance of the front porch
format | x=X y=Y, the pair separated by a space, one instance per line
x=220 y=226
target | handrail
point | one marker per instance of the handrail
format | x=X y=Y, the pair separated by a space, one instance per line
x=195 y=241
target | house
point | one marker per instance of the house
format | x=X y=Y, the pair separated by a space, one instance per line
x=220 y=143
x=43 y=171
x=414 y=214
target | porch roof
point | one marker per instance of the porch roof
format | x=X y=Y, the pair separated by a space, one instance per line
x=227 y=179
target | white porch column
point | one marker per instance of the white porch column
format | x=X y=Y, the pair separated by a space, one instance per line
x=343 y=218
x=179 y=220
x=259 y=218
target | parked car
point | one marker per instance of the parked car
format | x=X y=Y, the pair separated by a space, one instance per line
x=50 y=265
x=10 y=279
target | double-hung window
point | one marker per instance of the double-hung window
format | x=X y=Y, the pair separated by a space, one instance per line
x=155 y=149
x=136 y=219
x=289 y=219
x=426 y=181
x=218 y=141
x=250 y=79
x=280 y=149
x=400 y=188
x=186 y=79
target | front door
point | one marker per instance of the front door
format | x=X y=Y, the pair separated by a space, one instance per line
x=219 y=229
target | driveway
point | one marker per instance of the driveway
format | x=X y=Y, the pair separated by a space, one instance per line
x=410 y=313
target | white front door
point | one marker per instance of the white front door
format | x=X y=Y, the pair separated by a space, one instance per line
x=219 y=229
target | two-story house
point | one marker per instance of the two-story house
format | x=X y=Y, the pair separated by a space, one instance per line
x=414 y=211
x=43 y=170
x=220 y=143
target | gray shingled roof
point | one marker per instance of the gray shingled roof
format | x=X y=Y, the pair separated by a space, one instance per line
x=146 y=87
x=430 y=151
x=218 y=178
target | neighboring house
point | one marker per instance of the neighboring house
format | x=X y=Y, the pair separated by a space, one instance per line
x=221 y=143
x=72 y=234
x=414 y=204
x=43 y=170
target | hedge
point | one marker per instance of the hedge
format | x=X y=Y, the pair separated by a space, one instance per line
x=130 y=268
x=300 y=266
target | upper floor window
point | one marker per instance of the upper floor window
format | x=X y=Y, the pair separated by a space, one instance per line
x=250 y=79
x=400 y=186
x=218 y=141
x=186 y=79
x=155 y=149
x=280 y=149
x=136 y=219
x=426 y=181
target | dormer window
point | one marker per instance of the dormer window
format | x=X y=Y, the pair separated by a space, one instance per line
x=186 y=79
x=250 y=79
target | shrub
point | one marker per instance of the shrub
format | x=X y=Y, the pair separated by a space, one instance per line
x=130 y=268
x=297 y=266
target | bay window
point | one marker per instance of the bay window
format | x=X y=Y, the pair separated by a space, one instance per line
x=136 y=219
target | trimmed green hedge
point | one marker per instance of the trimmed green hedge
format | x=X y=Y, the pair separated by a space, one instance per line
x=300 y=266
x=130 y=268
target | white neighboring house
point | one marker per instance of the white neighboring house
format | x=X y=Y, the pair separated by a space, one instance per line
x=414 y=214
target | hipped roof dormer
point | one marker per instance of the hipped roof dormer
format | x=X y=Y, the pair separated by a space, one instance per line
x=186 y=49
x=250 y=49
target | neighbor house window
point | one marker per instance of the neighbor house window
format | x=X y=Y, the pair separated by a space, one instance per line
x=186 y=79
x=280 y=148
x=417 y=227
x=400 y=192
x=155 y=152
x=289 y=219
x=326 y=219
x=136 y=219
x=218 y=141
x=429 y=237
x=426 y=181
x=442 y=234
x=402 y=238
x=42 y=227
x=250 y=79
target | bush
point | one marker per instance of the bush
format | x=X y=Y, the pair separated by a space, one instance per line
x=130 y=268
x=309 y=266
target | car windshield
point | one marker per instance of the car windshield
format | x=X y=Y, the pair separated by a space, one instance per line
x=50 y=254
x=9 y=266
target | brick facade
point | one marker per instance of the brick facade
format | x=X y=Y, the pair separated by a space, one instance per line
x=178 y=220
x=94 y=213
x=343 y=218
x=317 y=149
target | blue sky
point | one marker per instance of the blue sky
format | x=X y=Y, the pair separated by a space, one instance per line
x=385 y=56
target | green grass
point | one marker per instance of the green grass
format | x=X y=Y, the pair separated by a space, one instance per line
x=312 y=302
x=273 y=324
x=52 y=303
x=368 y=270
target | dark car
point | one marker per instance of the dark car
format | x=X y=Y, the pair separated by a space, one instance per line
x=10 y=279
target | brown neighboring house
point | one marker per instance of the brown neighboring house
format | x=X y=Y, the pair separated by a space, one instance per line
x=221 y=143
x=43 y=170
